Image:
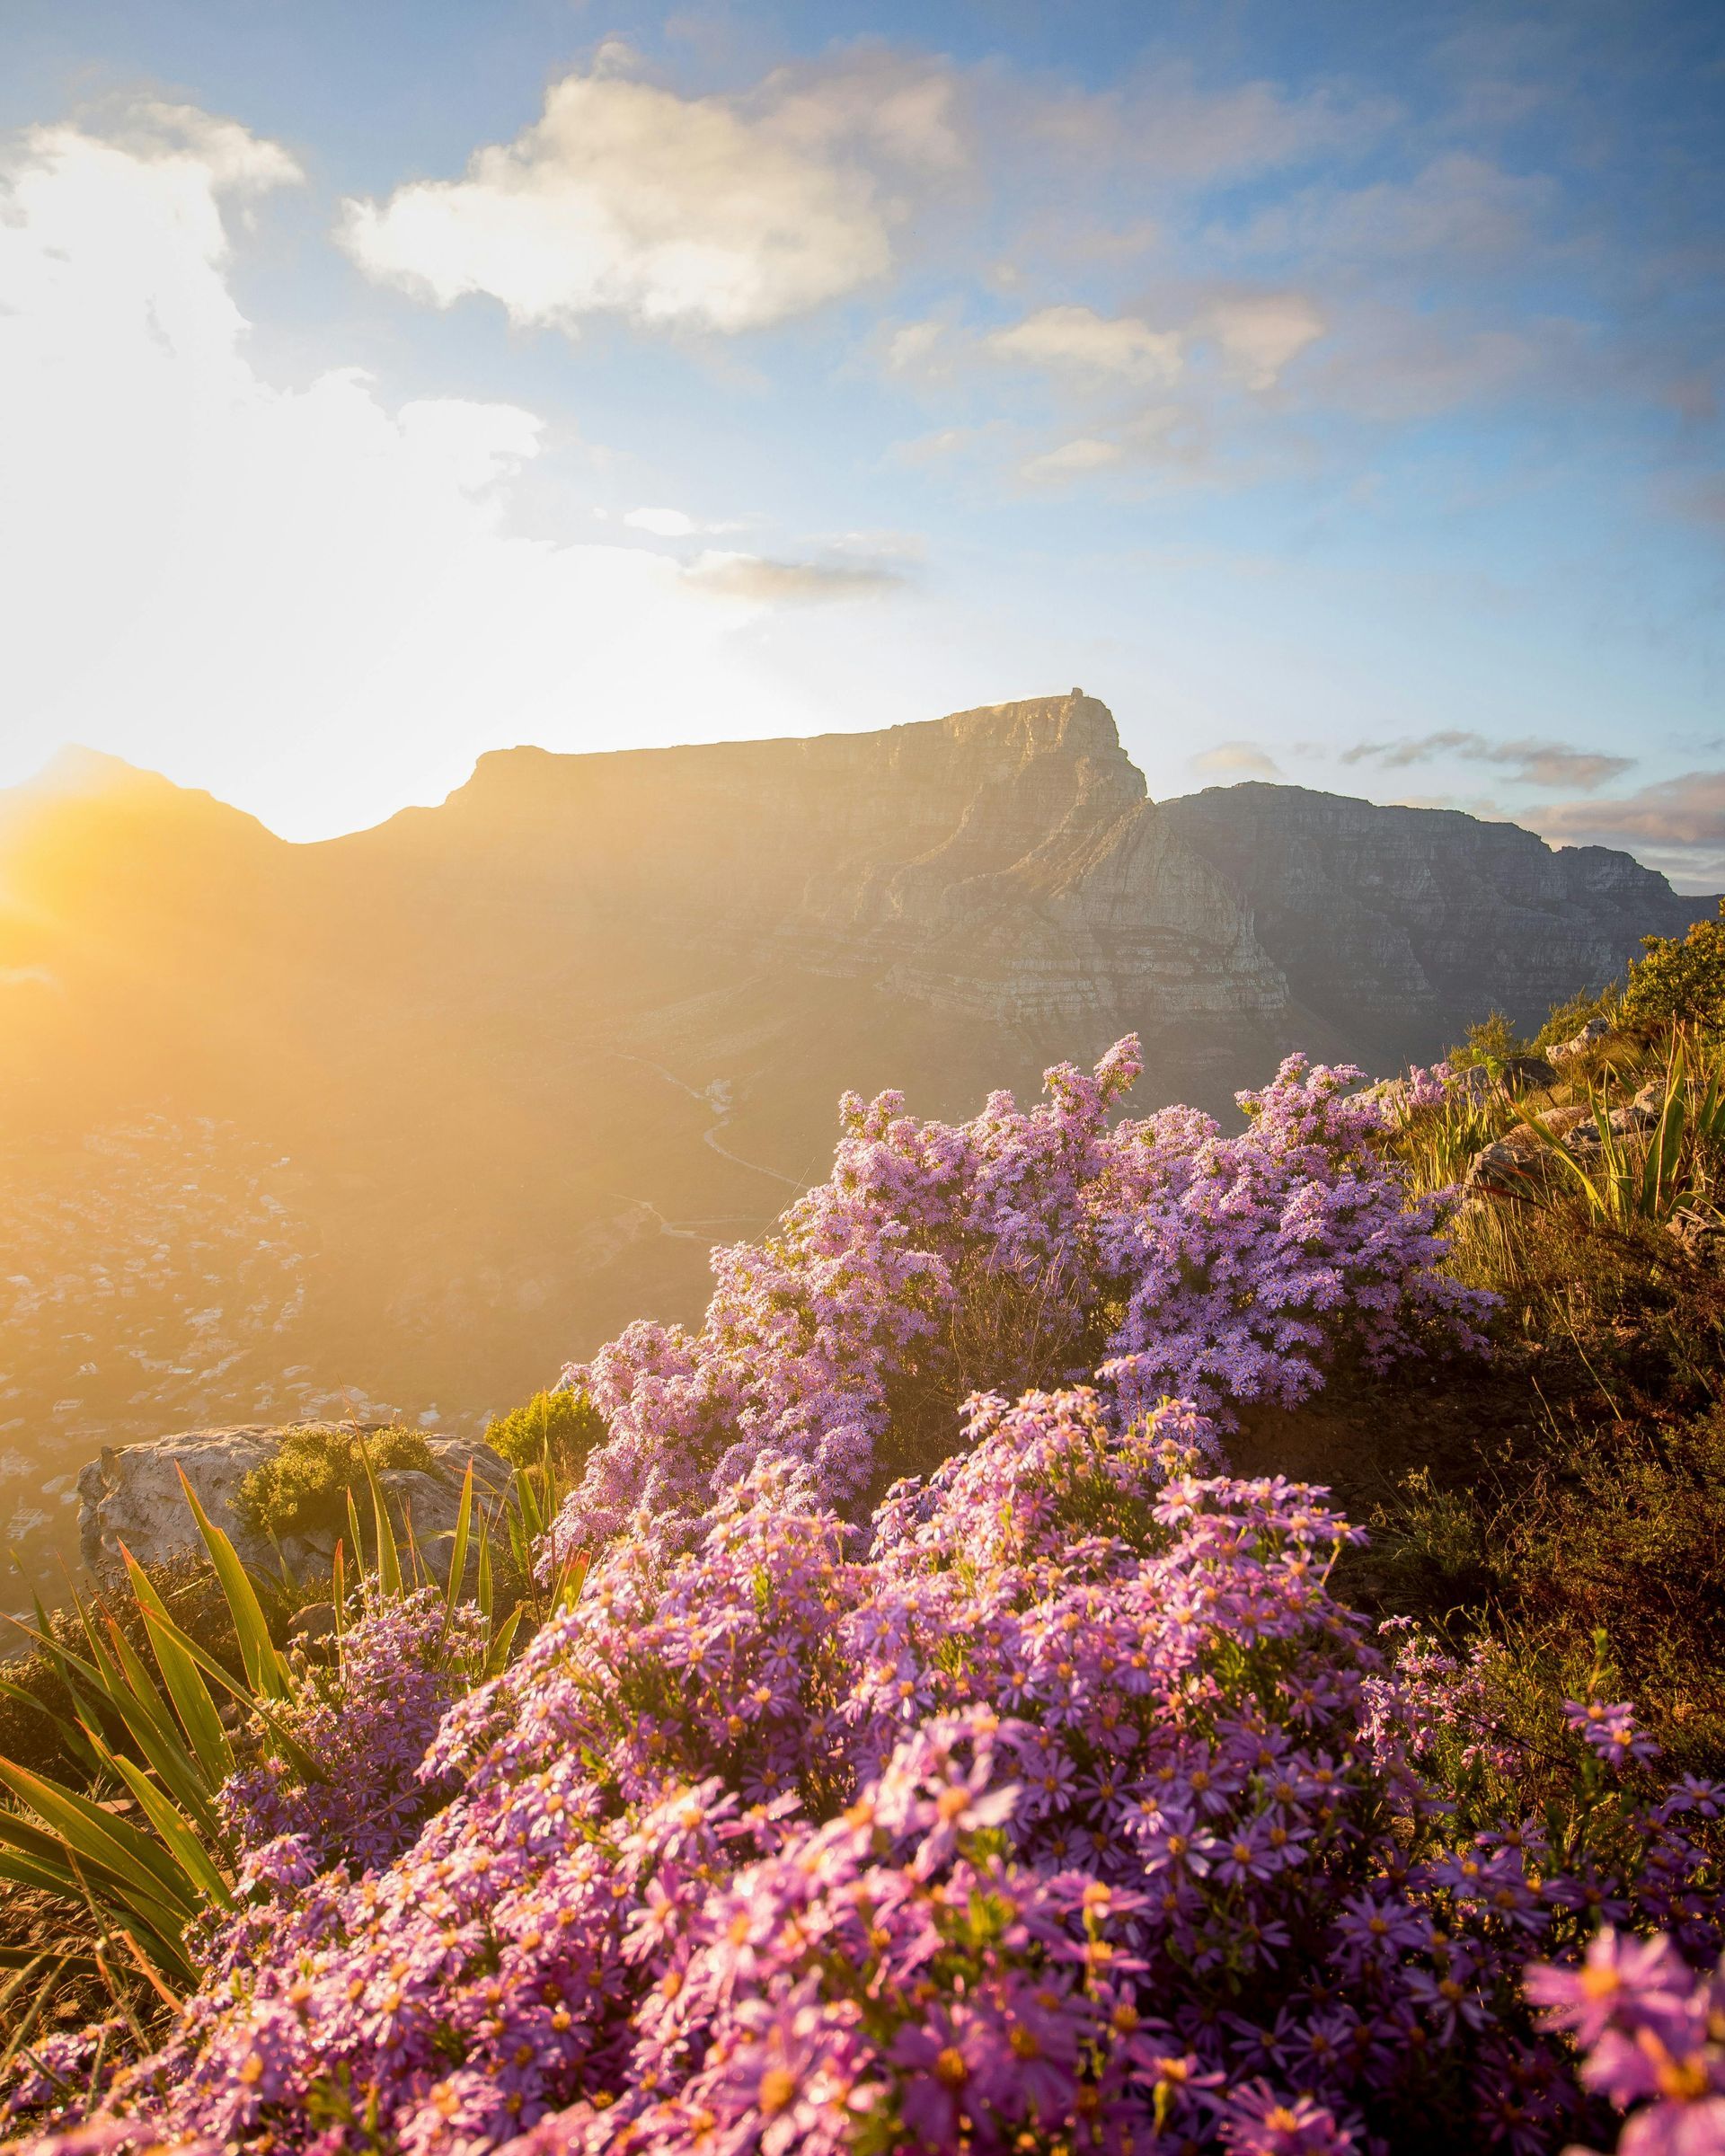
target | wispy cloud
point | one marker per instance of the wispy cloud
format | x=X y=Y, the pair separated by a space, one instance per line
x=675 y=524
x=1686 y=811
x=1236 y=760
x=1530 y=762
x=752 y=576
x=1679 y=825
x=1458 y=204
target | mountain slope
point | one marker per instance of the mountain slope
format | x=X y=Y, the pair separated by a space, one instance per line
x=408 y=1116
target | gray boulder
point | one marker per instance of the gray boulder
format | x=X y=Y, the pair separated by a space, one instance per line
x=1474 y=1083
x=1566 y=1051
x=134 y=1497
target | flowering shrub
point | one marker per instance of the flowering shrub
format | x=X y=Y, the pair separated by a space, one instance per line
x=1074 y=1811
x=1162 y=1254
x=368 y=1723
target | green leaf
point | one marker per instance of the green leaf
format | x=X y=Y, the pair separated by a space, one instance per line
x=353 y=1529
x=70 y=1734
x=191 y=1695
x=266 y=1671
x=498 y=1654
x=482 y=1590
x=458 y=1545
x=144 y=1712
x=389 y=1560
x=108 y=1844
x=178 y=1833
x=291 y=1749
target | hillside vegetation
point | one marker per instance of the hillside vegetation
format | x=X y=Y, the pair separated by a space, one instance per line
x=950 y=1717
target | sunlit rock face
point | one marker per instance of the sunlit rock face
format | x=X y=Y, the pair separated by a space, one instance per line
x=134 y=1499
x=1001 y=864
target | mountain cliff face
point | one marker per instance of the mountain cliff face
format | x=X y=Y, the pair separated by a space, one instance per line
x=997 y=864
x=406 y=1118
x=1400 y=926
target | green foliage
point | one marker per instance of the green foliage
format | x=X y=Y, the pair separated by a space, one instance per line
x=560 y=1428
x=1588 y=1516
x=1490 y=1039
x=155 y=1732
x=1649 y=1177
x=36 y=1708
x=1568 y=1018
x=1681 y=981
x=1437 y=1143
x=304 y=1487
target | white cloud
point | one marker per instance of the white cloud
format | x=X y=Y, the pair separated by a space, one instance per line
x=1237 y=760
x=1260 y=333
x=1085 y=452
x=308 y=600
x=709 y=213
x=1078 y=340
x=664 y=524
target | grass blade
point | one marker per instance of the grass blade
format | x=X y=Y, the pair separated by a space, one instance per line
x=291 y=1749
x=141 y=1707
x=482 y=1593
x=178 y=1834
x=265 y=1670
x=389 y=1557
x=186 y=1688
x=458 y=1545
x=497 y=1655
x=108 y=1844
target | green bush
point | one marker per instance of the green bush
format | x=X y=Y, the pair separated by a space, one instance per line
x=563 y=1428
x=303 y=1489
x=1493 y=1039
x=1567 y=1019
x=1681 y=981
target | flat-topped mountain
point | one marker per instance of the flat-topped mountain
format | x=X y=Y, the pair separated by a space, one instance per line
x=407 y=1117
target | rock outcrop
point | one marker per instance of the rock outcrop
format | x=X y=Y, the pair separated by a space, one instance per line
x=134 y=1497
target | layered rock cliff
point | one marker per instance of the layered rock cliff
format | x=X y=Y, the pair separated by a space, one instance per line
x=997 y=863
x=1401 y=925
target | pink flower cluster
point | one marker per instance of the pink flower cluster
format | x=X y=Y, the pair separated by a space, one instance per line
x=1077 y=1812
x=368 y=1720
x=1167 y=1257
x=1655 y=2038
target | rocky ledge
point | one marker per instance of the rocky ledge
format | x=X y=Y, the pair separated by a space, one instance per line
x=134 y=1497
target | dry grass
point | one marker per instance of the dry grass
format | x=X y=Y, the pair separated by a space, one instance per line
x=1586 y=1511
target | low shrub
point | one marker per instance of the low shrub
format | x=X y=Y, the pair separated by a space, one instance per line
x=303 y=1489
x=1566 y=1019
x=1681 y=980
x=562 y=1429
x=1490 y=1039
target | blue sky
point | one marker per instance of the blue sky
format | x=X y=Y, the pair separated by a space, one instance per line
x=1332 y=389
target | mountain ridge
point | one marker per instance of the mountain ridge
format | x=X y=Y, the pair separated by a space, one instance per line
x=486 y=1081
